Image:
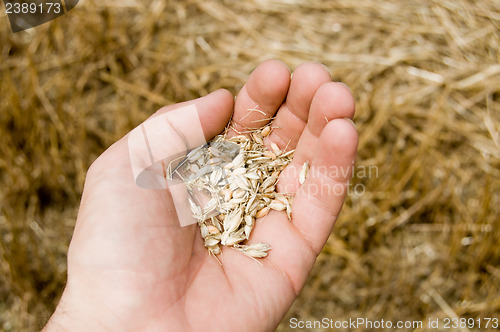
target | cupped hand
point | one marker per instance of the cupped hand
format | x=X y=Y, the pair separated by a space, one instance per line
x=131 y=267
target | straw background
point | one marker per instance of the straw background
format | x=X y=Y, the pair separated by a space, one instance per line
x=423 y=239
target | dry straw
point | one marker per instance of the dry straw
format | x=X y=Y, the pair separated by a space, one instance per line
x=421 y=242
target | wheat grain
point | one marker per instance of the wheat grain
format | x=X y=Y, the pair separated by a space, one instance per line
x=303 y=172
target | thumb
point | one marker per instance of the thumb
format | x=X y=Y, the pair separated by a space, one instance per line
x=209 y=114
x=165 y=137
x=111 y=175
x=112 y=202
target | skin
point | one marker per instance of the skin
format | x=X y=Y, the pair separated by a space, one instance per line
x=131 y=267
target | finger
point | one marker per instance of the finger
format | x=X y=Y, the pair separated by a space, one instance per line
x=261 y=96
x=331 y=101
x=292 y=116
x=213 y=110
x=319 y=200
x=295 y=245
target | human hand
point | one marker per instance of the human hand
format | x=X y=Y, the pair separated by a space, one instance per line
x=131 y=267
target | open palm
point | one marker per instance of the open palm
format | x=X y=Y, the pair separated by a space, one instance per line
x=131 y=267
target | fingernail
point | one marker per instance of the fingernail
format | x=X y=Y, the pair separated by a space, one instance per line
x=327 y=70
x=350 y=121
x=348 y=88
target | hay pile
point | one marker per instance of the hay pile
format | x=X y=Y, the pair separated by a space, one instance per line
x=423 y=238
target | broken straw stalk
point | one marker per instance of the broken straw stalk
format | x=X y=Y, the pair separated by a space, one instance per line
x=232 y=182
